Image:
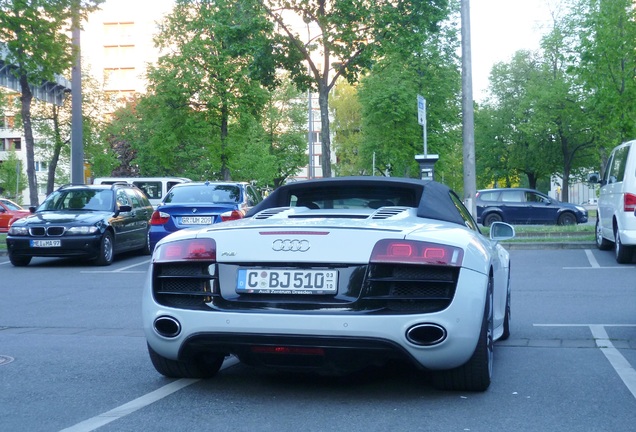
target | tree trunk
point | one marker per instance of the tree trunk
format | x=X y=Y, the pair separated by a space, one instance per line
x=325 y=139
x=50 y=182
x=25 y=99
x=225 y=171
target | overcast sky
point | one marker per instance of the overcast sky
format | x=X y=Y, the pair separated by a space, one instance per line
x=499 y=28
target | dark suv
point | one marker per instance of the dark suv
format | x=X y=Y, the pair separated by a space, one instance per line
x=525 y=206
x=88 y=221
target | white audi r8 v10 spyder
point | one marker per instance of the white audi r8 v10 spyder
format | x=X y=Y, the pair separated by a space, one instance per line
x=334 y=275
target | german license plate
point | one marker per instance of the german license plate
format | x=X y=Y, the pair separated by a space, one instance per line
x=196 y=220
x=46 y=243
x=275 y=281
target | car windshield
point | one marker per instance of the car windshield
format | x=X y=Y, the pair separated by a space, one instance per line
x=79 y=199
x=208 y=194
x=11 y=205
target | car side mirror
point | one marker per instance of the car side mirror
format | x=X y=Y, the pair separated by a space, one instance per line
x=32 y=209
x=124 y=209
x=594 y=178
x=2 y=210
x=501 y=231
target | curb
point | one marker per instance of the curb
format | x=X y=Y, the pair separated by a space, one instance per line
x=548 y=245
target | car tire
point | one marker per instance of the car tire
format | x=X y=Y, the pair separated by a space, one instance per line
x=601 y=242
x=506 y=323
x=492 y=217
x=566 y=218
x=200 y=367
x=106 y=250
x=624 y=253
x=145 y=250
x=21 y=261
x=476 y=374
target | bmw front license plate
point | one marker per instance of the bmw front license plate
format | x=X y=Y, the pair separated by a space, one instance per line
x=46 y=243
x=270 y=281
x=196 y=220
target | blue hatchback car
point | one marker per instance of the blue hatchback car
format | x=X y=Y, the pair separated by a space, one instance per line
x=525 y=206
x=193 y=204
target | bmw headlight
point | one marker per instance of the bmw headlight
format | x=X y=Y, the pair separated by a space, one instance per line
x=581 y=209
x=81 y=230
x=18 y=230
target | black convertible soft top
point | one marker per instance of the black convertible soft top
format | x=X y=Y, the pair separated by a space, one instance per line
x=433 y=200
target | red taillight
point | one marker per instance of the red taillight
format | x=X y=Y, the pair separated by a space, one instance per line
x=629 y=202
x=416 y=252
x=232 y=215
x=189 y=249
x=159 y=218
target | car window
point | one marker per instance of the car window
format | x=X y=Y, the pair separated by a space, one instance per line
x=352 y=198
x=134 y=198
x=616 y=172
x=489 y=196
x=10 y=205
x=512 y=196
x=536 y=198
x=142 y=198
x=252 y=196
x=211 y=194
x=150 y=188
x=122 y=198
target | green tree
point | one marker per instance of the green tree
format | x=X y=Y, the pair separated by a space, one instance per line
x=388 y=97
x=347 y=126
x=347 y=37
x=39 y=46
x=605 y=36
x=12 y=178
x=215 y=73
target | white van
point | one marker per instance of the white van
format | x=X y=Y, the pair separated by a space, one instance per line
x=155 y=187
x=616 y=222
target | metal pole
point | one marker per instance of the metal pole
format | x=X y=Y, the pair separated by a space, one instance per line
x=468 y=121
x=77 y=146
x=310 y=138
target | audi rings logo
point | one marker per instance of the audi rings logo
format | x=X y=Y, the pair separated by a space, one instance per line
x=290 y=245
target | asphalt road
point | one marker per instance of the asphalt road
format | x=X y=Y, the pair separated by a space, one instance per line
x=73 y=357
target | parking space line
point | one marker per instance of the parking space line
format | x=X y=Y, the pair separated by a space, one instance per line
x=121 y=270
x=137 y=404
x=620 y=364
x=595 y=265
x=591 y=258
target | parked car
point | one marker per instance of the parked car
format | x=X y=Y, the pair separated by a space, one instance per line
x=9 y=213
x=334 y=275
x=87 y=221
x=616 y=224
x=525 y=206
x=201 y=203
x=155 y=188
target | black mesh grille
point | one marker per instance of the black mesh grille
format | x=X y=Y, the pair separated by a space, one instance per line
x=186 y=285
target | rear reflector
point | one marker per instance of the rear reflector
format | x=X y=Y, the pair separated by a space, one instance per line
x=416 y=252
x=288 y=350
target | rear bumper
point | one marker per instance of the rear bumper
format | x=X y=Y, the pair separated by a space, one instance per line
x=343 y=336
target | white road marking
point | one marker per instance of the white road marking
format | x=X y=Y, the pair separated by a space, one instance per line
x=620 y=364
x=121 y=270
x=591 y=258
x=137 y=404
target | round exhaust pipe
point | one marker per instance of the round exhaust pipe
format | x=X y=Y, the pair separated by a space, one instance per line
x=167 y=327
x=426 y=334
